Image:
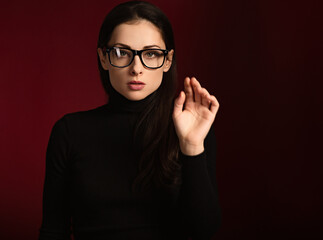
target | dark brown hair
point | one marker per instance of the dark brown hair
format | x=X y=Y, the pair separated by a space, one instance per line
x=158 y=164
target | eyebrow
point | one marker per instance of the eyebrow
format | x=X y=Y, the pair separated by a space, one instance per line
x=127 y=46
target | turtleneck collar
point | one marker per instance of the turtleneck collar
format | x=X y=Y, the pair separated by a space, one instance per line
x=119 y=103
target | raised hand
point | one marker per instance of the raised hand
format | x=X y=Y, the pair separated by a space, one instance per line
x=194 y=112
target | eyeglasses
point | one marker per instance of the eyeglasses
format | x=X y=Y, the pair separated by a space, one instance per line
x=123 y=57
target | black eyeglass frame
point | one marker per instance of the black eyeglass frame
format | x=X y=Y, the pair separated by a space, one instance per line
x=137 y=52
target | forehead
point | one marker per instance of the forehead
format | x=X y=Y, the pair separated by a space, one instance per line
x=137 y=35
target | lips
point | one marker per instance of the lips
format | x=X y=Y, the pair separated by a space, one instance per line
x=136 y=82
x=136 y=85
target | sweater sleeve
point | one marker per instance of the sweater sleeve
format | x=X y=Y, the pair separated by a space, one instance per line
x=56 y=220
x=199 y=204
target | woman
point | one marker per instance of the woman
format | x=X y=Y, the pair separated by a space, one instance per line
x=141 y=166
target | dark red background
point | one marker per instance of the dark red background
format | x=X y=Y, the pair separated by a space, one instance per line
x=261 y=59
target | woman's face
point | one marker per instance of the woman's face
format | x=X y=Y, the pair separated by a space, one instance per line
x=136 y=35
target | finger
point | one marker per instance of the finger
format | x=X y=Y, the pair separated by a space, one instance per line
x=214 y=104
x=205 y=99
x=188 y=89
x=196 y=88
x=178 y=104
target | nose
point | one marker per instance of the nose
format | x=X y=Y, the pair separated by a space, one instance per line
x=136 y=66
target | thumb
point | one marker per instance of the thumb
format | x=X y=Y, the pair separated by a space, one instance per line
x=178 y=104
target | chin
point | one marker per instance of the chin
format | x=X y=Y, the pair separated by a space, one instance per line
x=135 y=96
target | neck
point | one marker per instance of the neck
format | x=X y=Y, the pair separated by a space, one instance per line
x=121 y=104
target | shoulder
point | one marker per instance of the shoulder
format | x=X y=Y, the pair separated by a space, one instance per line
x=86 y=114
x=81 y=119
x=75 y=117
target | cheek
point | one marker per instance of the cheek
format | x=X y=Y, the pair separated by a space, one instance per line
x=116 y=75
x=157 y=78
x=116 y=80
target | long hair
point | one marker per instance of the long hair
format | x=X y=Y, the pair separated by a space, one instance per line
x=158 y=161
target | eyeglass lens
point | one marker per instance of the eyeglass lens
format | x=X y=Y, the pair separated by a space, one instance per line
x=152 y=58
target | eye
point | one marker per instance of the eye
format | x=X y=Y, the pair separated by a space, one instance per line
x=150 y=54
x=120 y=53
x=153 y=53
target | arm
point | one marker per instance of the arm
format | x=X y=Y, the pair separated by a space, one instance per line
x=194 y=113
x=199 y=204
x=56 y=212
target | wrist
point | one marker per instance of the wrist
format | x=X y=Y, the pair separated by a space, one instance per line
x=191 y=149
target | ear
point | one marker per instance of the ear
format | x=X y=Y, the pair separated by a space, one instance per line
x=168 y=60
x=103 y=59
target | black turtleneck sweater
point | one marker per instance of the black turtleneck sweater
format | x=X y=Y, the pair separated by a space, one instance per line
x=90 y=166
